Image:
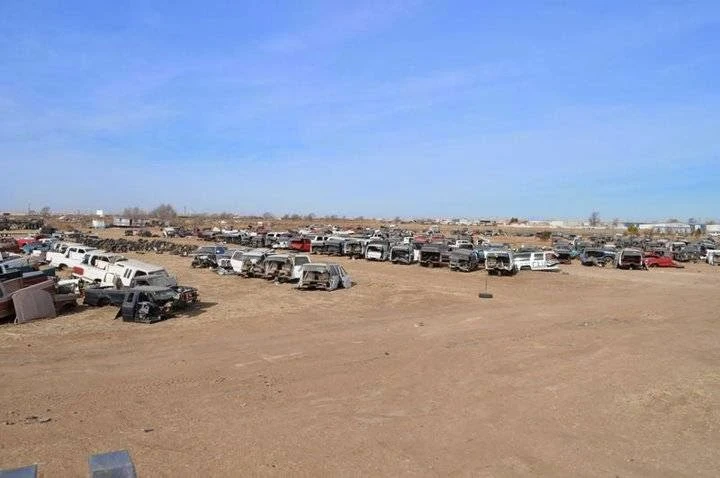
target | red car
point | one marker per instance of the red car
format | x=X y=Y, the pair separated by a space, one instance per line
x=654 y=260
x=21 y=241
x=300 y=244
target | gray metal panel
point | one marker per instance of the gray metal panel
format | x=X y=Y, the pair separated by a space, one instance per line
x=24 y=472
x=33 y=302
x=114 y=464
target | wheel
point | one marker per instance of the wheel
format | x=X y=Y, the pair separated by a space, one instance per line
x=103 y=302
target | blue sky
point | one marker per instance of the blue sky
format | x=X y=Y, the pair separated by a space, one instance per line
x=412 y=108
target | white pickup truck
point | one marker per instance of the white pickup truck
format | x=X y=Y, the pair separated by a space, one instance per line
x=66 y=254
x=317 y=241
x=123 y=272
x=95 y=265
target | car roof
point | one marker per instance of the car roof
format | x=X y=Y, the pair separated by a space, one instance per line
x=135 y=264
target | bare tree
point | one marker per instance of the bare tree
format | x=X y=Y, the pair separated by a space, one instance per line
x=134 y=212
x=164 y=212
x=45 y=211
x=594 y=219
x=268 y=215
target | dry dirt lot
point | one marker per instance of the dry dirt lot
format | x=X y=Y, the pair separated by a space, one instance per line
x=592 y=373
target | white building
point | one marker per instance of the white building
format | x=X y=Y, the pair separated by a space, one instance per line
x=667 y=228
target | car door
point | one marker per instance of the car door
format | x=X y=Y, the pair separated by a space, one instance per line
x=551 y=259
x=536 y=261
x=109 y=279
x=297 y=266
x=127 y=310
x=344 y=278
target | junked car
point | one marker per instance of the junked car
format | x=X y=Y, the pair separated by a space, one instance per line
x=537 y=261
x=402 y=254
x=64 y=255
x=465 y=260
x=593 y=256
x=355 y=248
x=500 y=262
x=564 y=254
x=656 y=260
x=300 y=244
x=95 y=265
x=207 y=250
x=713 y=257
x=107 y=295
x=377 y=251
x=323 y=276
x=689 y=253
x=630 y=258
x=434 y=254
x=148 y=304
x=250 y=263
x=334 y=246
x=318 y=243
x=284 y=267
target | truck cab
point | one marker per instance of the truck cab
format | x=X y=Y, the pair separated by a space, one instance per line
x=95 y=264
x=123 y=273
x=67 y=255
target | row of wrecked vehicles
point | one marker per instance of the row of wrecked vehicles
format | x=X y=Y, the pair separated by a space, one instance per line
x=636 y=253
x=434 y=251
x=29 y=291
x=142 y=292
x=272 y=265
x=460 y=255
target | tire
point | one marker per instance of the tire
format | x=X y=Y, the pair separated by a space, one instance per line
x=103 y=302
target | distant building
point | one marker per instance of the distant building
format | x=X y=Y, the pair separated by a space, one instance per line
x=127 y=222
x=713 y=229
x=667 y=228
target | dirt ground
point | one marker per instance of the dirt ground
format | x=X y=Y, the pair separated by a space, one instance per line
x=592 y=372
